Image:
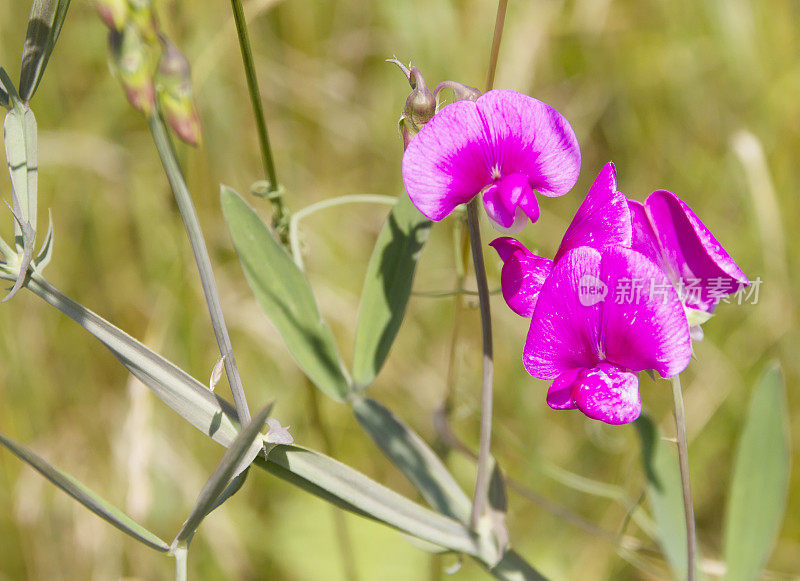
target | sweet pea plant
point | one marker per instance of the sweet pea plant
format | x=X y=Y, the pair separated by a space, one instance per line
x=627 y=291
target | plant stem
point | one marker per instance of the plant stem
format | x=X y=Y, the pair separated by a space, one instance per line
x=498 y=35
x=189 y=215
x=482 y=479
x=255 y=100
x=683 y=460
x=180 y=555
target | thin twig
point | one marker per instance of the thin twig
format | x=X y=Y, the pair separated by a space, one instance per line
x=498 y=35
x=683 y=460
x=189 y=215
x=482 y=479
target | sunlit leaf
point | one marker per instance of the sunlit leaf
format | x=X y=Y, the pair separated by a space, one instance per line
x=664 y=493
x=285 y=295
x=237 y=458
x=759 y=485
x=414 y=458
x=387 y=286
x=85 y=496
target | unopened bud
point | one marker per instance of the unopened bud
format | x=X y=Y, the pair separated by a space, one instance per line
x=175 y=93
x=421 y=103
x=134 y=63
x=114 y=13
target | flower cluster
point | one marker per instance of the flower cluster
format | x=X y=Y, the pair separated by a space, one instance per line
x=504 y=146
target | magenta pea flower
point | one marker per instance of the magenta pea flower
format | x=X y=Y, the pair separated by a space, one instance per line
x=602 y=221
x=504 y=146
x=668 y=232
x=593 y=346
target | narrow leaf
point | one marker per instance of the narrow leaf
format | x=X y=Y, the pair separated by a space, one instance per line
x=85 y=496
x=757 y=498
x=285 y=295
x=237 y=458
x=353 y=491
x=46 y=251
x=44 y=26
x=664 y=493
x=415 y=459
x=387 y=287
x=192 y=400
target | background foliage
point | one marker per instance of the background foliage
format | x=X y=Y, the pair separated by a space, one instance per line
x=696 y=97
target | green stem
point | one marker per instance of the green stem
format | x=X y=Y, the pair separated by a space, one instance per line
x=180 y=555
x=498 y=35
x=189 y=215
x=258 y=108
x=484 y=459
x=683 y=460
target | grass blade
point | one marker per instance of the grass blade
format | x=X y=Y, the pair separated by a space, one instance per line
x=237 y=458
x=759 y=485
x=387 y=287
x=285 y=295
x=85 y=496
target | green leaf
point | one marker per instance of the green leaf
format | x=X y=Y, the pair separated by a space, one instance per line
x=85 y=496
x=20 y=138
x=192 y=400
x=387 y=287
x=44 y=26
x=757 y=497
x=349 y=489
x=664 y=493
x=286 y=297
x=415 y=459
x=237 y=458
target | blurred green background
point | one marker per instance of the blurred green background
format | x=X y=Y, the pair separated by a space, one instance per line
x=699 y=97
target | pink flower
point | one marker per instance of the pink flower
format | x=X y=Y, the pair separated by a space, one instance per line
x=504 y=145
x=593 y=346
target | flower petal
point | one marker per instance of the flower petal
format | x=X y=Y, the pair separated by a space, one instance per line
x=608 y=393
x=530 y=137
x=559 y=395
x=565 y=330
x=690 y=248
x=643 y=237
x=643 y=323
x=603 y=219
x=522 y=276
x=447 y=163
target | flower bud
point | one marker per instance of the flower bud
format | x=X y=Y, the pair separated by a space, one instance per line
x=420 y=104
x=134 y=62
x=174 y=86
x=113 y=13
